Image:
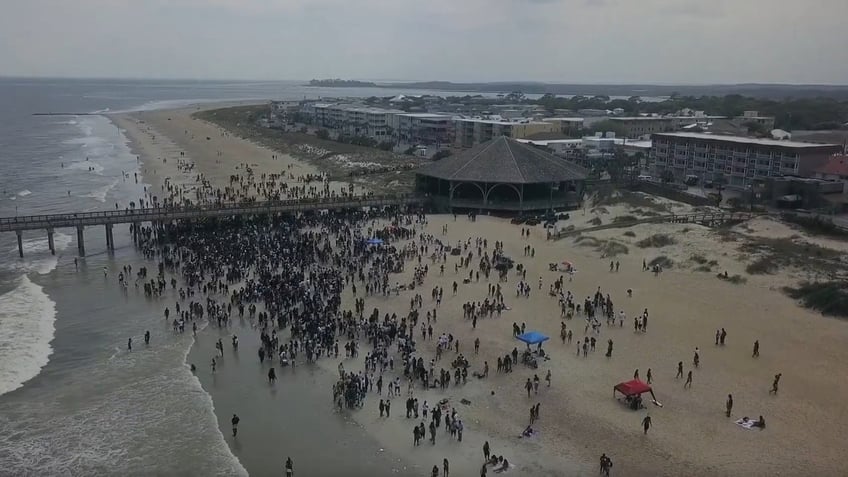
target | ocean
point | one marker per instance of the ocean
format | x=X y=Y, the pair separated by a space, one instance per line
x=72 y=399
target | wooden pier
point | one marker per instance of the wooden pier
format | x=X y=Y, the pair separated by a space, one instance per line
x=158 y=215
x=708 y=219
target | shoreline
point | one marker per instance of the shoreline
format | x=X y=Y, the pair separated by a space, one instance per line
x=574 y=421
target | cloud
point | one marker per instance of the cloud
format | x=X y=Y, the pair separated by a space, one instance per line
x=618 y=41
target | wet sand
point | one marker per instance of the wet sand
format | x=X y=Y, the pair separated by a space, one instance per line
x=580 y=419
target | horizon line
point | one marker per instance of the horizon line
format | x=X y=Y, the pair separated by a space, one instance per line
x=380 y=82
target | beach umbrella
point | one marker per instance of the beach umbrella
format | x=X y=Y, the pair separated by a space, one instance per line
x=532 y=337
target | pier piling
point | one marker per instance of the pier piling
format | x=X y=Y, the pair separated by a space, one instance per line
x=110 y=239
x=50 y=242
x=80 y=240
x=20 y=243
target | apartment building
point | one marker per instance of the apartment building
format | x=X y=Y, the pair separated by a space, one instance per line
x=352 y=119
x=422 y=128
x=754 y=116
x=572 y=127
x=739 y=160
x=470 y=132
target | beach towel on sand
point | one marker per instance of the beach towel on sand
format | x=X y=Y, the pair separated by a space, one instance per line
x=747 y=425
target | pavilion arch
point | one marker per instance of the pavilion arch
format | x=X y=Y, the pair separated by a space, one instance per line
x=518 y=193
x=466 y=186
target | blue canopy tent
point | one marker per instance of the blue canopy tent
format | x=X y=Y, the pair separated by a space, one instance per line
x=532 y=337
x=374 y=241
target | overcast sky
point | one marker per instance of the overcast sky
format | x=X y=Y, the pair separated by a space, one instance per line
x=570 y=41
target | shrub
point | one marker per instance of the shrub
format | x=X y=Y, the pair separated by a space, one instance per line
x=816 y=225
x=596 y=221
x=703 y=268
x=734 y=279
x=656 y=241
x=661 y=261
x=612 y=249
x=699 y=259
x=624 y=219
x=629 y=233
x=762 y=266
x=322 y=134
x=829 y=298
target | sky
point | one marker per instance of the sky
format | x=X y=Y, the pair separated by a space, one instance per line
x=565 y=41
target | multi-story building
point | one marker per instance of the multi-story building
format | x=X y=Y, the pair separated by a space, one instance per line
x=352 y=119
x=422 y=128
x=754 y=117
x=740 y=161
x=572 y=127
x=470 y=132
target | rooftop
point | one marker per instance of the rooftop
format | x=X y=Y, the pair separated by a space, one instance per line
x=504 y=160
x=743 y=140
x=545 y=142
x=426 y=115
x=502 y=122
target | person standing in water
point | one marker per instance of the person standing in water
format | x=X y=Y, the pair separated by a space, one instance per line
x=235 y=421
x=147 y=337
x=129 y=344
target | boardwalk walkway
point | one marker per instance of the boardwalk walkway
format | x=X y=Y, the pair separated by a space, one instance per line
x=710 y=219
x=80 y=220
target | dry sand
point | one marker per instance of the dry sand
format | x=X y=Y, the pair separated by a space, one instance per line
x=580 y=419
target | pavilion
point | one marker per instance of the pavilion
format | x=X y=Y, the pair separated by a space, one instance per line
x=503 y=174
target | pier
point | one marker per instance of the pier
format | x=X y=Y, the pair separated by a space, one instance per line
x=161 y=215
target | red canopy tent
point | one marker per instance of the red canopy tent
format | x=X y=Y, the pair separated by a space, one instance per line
x=633 y=387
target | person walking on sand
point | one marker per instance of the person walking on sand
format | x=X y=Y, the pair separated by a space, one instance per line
x=679 y=370
x=688 y=383
x=696 y=360
x=646 y=423
x=486 y=450
x=235 y=421
x=756 y=353
x=445 y=468
x=548 y=377
x=649 y=376
x=729 y=404
x=606 y=465
x=775 y=383
x=528 y=386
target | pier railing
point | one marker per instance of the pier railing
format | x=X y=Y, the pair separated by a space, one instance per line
x=164 y=214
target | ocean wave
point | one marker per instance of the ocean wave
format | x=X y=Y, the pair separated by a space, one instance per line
x=24 y=193
x=37 y=257
x=95 y=168
x=101 y=192
x=27 y=318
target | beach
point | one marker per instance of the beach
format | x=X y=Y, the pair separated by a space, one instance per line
x=579 y=418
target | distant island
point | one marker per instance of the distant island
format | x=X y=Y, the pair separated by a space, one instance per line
x=340 y=83
x=756 y=90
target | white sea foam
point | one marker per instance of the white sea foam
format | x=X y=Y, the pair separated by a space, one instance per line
x=37 y=257
x=24 y=193
x=27 y=315
x=85 y=165
x=101 y=192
